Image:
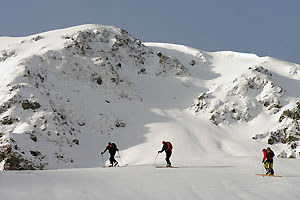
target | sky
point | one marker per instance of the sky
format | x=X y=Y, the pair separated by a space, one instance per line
x=264 y=27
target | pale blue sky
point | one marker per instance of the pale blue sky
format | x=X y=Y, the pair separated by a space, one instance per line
x=263 y=27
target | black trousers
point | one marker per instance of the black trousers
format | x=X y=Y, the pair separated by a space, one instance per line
x=112 y=159
x=168 y=155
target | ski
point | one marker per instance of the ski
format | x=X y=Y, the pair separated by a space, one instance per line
x=268 y=175
x=108 y=166
x=165 y=167
x=114 y=166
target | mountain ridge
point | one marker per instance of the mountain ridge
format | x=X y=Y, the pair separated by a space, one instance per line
x=65 y=93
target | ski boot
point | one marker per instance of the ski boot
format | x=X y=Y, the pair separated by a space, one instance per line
x=115 y=164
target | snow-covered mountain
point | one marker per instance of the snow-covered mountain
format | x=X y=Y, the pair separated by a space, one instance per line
x=66 y=93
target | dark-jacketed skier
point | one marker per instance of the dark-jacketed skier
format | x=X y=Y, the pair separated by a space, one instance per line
x=167 y=147
x=112 y=149
x=268 y=160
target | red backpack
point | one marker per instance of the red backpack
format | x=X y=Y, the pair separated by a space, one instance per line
x=169 y=146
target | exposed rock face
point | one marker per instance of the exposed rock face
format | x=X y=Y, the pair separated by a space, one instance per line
x=6 y=54
x=245 y=98
x=288 y=132
x=168 y=64
x=26 y=104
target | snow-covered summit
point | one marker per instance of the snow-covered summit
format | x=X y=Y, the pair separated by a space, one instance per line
x=66 y=93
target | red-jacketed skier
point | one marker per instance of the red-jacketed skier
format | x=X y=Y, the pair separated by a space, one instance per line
x=268 y=160
x=112 y=149
x=167 y=147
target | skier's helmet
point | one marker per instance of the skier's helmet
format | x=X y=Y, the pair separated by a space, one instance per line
x=163 y=142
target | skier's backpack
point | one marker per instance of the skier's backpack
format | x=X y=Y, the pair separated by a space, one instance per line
x=169 y=146
x=271 y=154
x=114 y=146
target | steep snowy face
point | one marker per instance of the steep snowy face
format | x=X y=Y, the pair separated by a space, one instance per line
x=44 y=99
x=58 y=86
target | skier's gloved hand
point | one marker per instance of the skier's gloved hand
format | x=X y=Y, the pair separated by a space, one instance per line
x=262 y=161
x=101 y=153
x=159 y=151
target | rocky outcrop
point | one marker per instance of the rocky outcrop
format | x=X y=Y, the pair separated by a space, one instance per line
x=168 y=64
x=26 y=104
x=288 y=131
x=6 y=54
x=245 y=97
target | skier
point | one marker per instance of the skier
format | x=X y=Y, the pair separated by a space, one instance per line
x=167 y=147
x=112 y=149
x=268 y=160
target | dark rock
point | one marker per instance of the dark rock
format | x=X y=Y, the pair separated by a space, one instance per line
x=8 y=120
x=34 y=138
x=99 y=80
x=81 y=123
x=35 y=153
x=26 y=104
x=76 y=141
x=142 y=71
x=192 y=63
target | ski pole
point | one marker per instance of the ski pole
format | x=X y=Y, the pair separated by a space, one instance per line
x=155 y=159
x=102 y=159
x=120 y=158
x=263 y=168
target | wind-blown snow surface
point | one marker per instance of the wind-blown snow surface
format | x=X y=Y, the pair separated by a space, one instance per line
x=66 y=93
x=226 y=179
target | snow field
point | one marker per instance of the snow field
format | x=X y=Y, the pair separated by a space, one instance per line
x=227 y=178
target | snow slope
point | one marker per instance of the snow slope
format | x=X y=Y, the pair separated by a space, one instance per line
x=225 y=179
x=66 y=93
